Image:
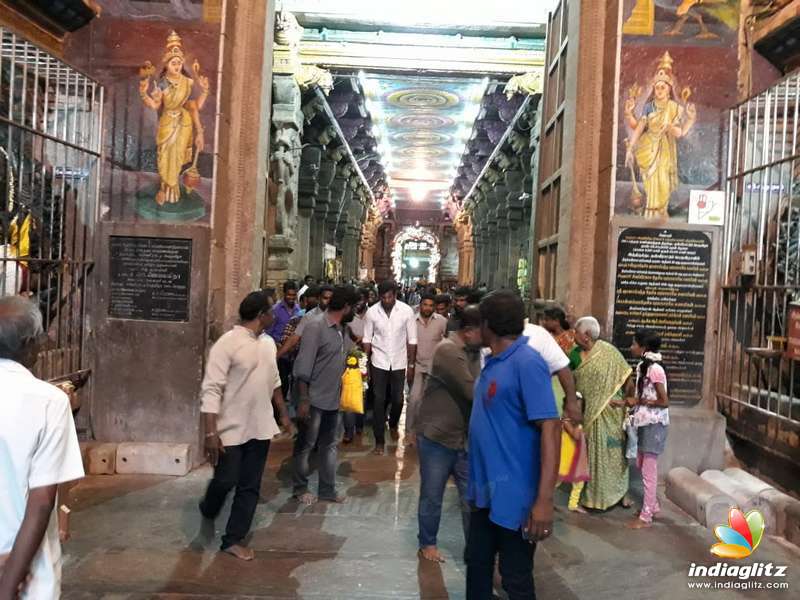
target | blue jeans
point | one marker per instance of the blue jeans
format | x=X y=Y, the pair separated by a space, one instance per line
x=321 y=429
x=436 y=464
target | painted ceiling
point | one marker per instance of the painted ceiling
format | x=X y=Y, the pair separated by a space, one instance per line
x=422 y=125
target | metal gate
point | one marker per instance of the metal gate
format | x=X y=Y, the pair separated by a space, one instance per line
x=50 y=142
x=758 y=380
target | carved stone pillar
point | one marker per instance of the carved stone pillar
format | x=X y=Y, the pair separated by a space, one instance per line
x=308 y=189
x=502 y=238
x=316 y=263
x=338 y=188
x=287 y=121
x=515 y=181
x=493 y=246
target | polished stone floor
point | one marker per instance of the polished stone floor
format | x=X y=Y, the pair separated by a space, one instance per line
x=137 y=537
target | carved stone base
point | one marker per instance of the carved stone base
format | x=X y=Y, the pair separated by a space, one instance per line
x=280 y=265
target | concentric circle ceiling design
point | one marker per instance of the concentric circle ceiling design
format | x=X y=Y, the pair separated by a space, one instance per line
x=423 y=138
x=422 y=124
x=422 y=99
x=420 y=121
x=422 y=151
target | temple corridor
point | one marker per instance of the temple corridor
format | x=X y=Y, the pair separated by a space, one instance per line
x=141 y=537
x=191 y=190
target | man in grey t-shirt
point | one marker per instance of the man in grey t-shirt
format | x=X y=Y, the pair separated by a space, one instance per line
x=318 y=372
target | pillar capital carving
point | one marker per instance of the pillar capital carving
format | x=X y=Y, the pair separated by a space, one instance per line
x=308 y=76
x=529 y=83
x=286 y=58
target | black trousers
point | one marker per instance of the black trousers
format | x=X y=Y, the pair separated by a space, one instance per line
x=386 y=386
x=486 y=540
x=285 y=366
x=240 y=467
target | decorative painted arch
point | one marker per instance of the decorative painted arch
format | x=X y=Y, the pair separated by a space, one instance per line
x=416 y=234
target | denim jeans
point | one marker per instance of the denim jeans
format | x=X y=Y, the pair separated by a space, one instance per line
x=486 y=540
x=240 y=467
x=437 y=464
x=321 y=429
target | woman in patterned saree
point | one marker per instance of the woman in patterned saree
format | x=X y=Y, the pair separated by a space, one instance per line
x=600 y=376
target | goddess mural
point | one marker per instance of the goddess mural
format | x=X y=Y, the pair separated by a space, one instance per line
x=652 y=145
x=179 y=138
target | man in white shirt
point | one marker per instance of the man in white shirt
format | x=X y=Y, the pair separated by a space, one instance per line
x=38 y=451
x=431 y=329
x=390 y=341
x=545 y=344
x=240 y=386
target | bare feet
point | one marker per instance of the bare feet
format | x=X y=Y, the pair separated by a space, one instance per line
x=333 y=499
x=579 y=509
x=626 y=501
x=637 y=524
x=431 y=553
x=240 y=552
x=308 y=498
x=378 y=451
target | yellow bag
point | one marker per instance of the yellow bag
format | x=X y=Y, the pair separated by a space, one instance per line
x=352 y=388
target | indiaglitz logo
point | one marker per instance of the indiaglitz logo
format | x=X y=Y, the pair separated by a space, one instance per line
x=741 y=536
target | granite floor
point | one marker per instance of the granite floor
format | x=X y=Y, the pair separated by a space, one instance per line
x=137 y=537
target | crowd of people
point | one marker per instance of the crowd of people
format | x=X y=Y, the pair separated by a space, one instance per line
x=507 y=408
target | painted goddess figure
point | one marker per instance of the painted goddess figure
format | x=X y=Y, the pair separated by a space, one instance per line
x=179 y=138
x=652 y=145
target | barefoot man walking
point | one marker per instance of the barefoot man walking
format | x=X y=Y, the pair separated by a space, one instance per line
x=241 y=379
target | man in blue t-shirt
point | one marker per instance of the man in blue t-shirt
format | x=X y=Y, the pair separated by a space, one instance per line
x=514 y=446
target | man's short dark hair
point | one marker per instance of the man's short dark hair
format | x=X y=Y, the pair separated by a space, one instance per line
x=428 y=296
x=311 y=292
x=469 y=317
x=325 y=288
x=462 y=291
x=386 y=287
x=475 y=297
x=343 y=295
x=503 y=312
x=289 y=285
x=442 y=299
x=363 y=293
x=254 y=304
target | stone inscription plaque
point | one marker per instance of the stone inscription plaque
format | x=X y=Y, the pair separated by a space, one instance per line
x=662 y=284
x=150 y=278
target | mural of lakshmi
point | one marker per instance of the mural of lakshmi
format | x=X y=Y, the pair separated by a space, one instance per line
x=652 y=144
x=179 y=136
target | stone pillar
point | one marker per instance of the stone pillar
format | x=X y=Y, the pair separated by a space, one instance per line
x=339 y=188
x=287 y=122
x=515 y=217
x=317 y=237
x=308 y=189
x=501 y=271
x=492 y=246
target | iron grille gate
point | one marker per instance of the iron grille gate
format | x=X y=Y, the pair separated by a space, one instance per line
x=50 y=136
x=757 y=380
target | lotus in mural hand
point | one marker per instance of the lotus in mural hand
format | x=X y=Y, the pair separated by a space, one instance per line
x=179 y=136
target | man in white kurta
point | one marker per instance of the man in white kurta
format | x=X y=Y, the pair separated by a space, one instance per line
x=38 y=450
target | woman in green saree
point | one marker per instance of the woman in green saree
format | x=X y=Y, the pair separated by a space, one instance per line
x=600 y=376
